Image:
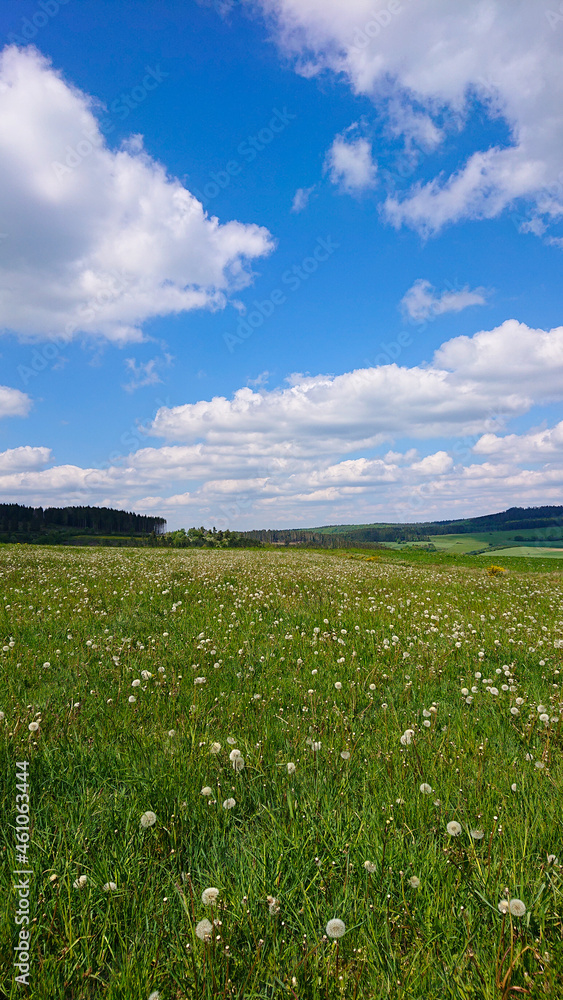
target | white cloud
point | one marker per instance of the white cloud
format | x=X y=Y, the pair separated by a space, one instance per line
x=145 y=373
x=13 y=403
x=23 y=459
x=422 y=302
x=301 y=198
x=436 y=57
x=102 y=246
x=350 y=165
x=267 y=455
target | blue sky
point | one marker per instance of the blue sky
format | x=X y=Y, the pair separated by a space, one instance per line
x=269 y=263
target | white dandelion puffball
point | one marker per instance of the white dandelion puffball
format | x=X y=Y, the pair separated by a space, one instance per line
x=148 y=819
x=110 y=887
x=369 y=866
x=503 y=906
x=206 y=790
x=477 y=834
x=513 y=787
x=338 y=685
x=551 y=859
x=155 y=995
x=215 y=748
x=229 y=803
x=238 y=763
x=146 y=675
x=291 y=767
x=425 y=788
x=407 y=736
x=136 y=683
x=33 y=727
x=132 y=699
x=203 y=930
x=316 y=746
x=2 y=716
x=414 y=882
x=453 y=828
x=209 y=896
x=234 y=753
x=517 y=907
x=273 y=905
x=231 y=741
x=345 y=754
x=80 y=882
x=544 y=717
x=336 y=928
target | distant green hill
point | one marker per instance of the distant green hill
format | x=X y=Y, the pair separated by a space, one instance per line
x=524 y=525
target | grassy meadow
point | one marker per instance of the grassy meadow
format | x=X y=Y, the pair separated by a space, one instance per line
x=362 y=755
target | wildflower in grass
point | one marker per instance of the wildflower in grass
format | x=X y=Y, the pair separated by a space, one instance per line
x=514 y=710
x=477 y=834
x=551 y=859
x=336 y=928
x=453 y=828
x=544 y=717
x=414 y=882
x=513 y=787
x=238 y=764
x=148 y=819
x=231 y=741
x=316 y=746
x=200 y=680
x=503 y=906
x=146 y=675
x=2 y=716
x=517 y=907
x=215 y=748
x=369 y=867
x=206 y=790
x=203 y=930
x=110 y=887
x=33 y=727
x=407 y=736
x=273 y=905
x=338 y=685
x=425 y=788
x=132 y=699
x=233 y=754
x=46 y=664
x=291 y=767
x=345 y=754
x=229 y=803
x=136 y=683
x=426 y=723
x=539 y=765
x=80 y=882
x=155 y=995
x=209 y=896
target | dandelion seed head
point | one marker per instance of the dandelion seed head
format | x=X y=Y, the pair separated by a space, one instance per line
x=453 y=828
x=209 y=896
x=425 y=788
x=414 y=882
x=517 y=907
x=229 y=803
x=336 y=928
x=291 y=767
x=148 y=819
x=203 y=930
x=369 y=867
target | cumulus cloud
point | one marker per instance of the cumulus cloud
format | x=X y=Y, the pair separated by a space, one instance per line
x=422 y=302
x=13 y=403
x=431 y=61
x=349 y=164
x=103 y=244
x=24 y=458
x=317 y=444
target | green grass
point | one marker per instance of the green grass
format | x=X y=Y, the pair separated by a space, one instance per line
x=272 y=633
